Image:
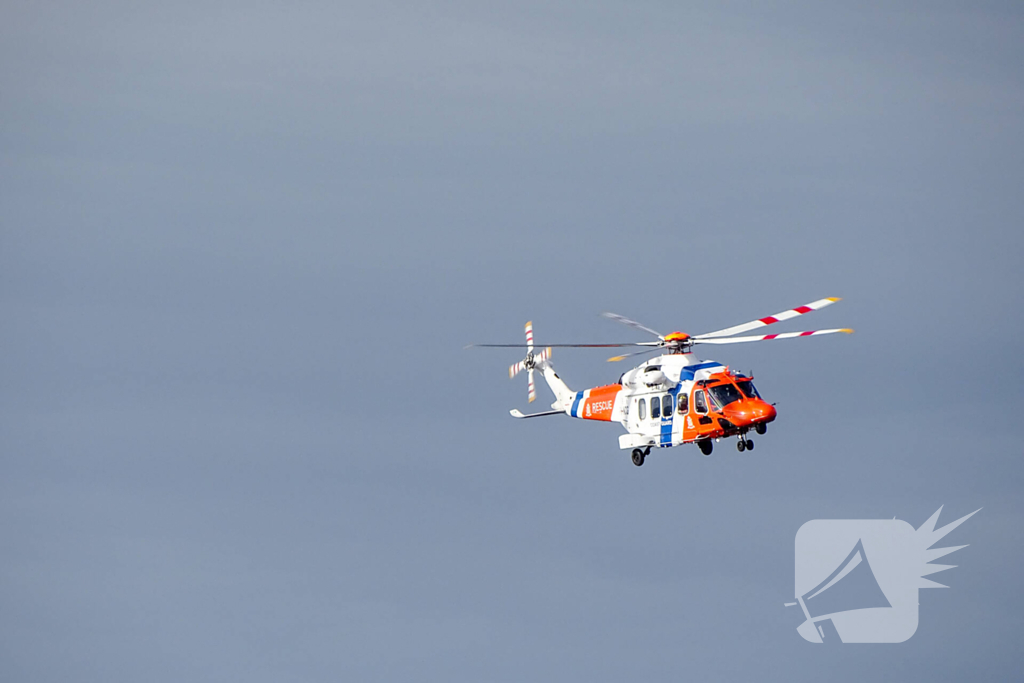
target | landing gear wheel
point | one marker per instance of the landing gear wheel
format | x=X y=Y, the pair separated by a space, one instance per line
x=706 y=446
x=761 y=428
x=750 y=445
x=741 y=445
x=638 y=457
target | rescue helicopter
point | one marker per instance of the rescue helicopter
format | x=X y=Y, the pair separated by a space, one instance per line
x=673 y=398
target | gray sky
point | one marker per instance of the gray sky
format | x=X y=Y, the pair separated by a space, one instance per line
x=242 y=246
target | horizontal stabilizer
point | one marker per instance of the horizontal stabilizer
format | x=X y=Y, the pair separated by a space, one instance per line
x=515 y=413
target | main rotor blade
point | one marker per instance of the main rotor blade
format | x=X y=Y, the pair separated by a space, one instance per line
x=562 y=346
x=632 y=323
x=765 y=337
x=615 y=359
x=771 y=319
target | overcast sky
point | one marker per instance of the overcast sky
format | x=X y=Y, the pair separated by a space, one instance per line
x=242 y=246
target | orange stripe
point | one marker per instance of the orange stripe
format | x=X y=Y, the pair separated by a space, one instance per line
x=599 y=403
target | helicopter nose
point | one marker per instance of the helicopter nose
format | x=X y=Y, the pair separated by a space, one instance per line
x=748 y=411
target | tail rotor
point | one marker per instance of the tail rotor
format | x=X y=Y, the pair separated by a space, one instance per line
x=530 y=362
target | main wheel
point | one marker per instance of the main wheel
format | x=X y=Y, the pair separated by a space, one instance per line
x=761 y=428
x=741 y=445
x=638 y=457
x=706 y=446
x=750 y=445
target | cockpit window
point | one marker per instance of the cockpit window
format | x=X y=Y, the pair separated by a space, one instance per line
x=724 y=394
x=698 y=402
x=747 y=387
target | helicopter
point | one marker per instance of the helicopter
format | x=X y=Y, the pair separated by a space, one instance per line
x=672 y=399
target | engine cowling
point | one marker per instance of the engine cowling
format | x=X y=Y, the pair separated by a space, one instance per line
x=653 y=376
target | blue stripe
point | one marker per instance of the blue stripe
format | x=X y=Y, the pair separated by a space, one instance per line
x=689 y=371
x=576 y=404
x=666 y=426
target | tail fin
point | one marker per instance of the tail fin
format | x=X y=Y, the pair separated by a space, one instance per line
x=563 y=394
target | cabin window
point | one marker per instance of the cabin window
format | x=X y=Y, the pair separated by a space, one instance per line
x=699 y=402
x=642 y=409
x=666 y=405
x=655 y=407
x=684 y=403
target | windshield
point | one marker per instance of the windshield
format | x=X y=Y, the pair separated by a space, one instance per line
x=747 y=387
x=724 y=394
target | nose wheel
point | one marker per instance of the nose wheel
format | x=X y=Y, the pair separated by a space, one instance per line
x=744 y=445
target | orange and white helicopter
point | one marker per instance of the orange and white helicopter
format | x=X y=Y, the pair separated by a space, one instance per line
x=672 y=399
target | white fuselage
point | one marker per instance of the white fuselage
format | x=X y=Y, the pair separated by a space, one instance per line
x=659 y=381
x=644 y=400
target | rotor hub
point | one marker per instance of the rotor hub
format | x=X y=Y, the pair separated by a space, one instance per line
x=678 y=342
